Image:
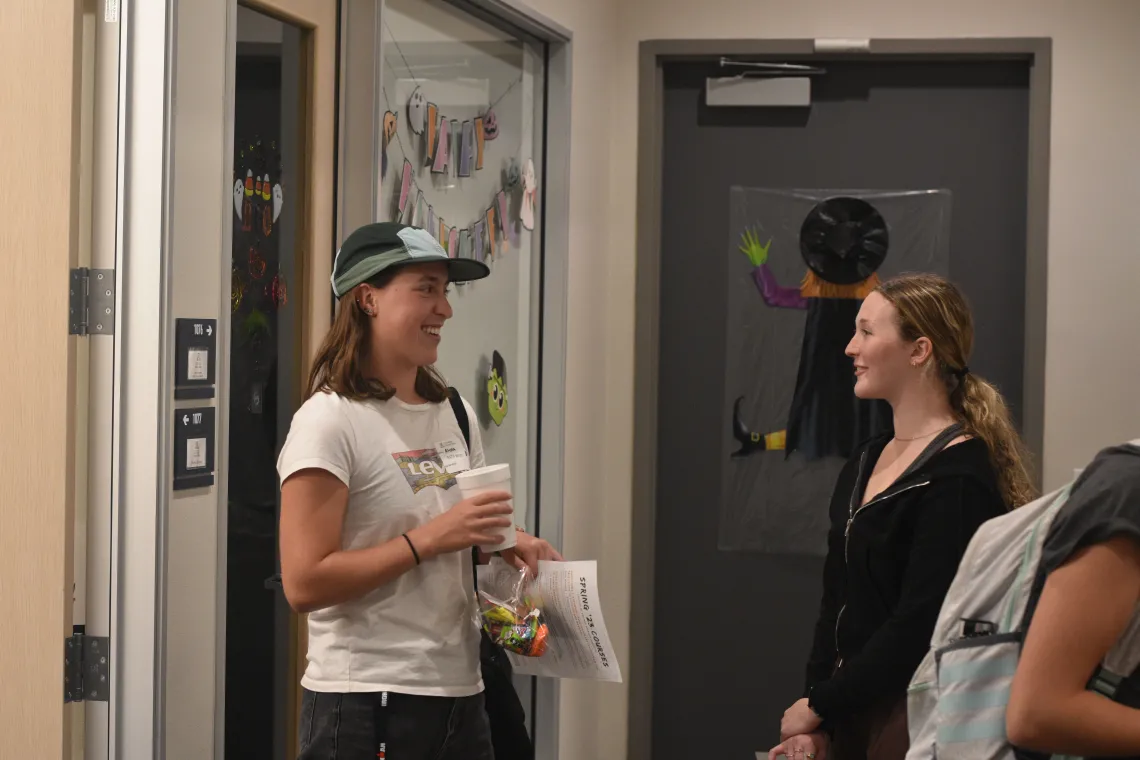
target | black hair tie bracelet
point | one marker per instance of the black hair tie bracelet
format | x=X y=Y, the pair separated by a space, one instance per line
x=412 y=546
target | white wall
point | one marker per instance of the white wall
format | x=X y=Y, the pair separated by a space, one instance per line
x=1094 y=266
x=592 y=717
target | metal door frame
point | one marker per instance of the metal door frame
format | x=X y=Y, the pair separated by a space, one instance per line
x=653 y=55
x=548 y=342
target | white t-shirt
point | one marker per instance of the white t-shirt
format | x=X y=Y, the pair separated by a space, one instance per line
x=415 y=635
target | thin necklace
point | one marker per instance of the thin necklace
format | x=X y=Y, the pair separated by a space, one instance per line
x=919 y=437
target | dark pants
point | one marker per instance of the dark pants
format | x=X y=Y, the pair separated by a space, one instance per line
x=388 y=726
x=876 y=733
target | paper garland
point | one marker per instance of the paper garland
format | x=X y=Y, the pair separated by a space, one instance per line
x=451 y=146
x=486 y=237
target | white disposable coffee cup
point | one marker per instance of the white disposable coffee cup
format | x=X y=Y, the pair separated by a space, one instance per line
x=495 y=477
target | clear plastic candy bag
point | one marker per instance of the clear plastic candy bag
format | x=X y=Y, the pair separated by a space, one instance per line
x=515 y=623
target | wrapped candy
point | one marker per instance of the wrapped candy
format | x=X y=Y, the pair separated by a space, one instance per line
x=516 y=625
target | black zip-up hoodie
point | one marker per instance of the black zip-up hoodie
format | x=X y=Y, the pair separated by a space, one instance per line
x=889 y=565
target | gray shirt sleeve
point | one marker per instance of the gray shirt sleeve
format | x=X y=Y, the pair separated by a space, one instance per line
x=1104 y=504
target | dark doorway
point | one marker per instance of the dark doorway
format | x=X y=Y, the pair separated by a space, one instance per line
x=872 y=125
x=263 y=382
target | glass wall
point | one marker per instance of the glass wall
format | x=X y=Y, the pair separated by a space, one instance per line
x=462 y=155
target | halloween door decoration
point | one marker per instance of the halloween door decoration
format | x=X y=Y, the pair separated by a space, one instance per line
x=497 y=389
x=258 y=285
x=791 y=416
x=451 y=157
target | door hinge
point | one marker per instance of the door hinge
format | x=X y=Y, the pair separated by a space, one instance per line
x=86 y=667
x=91 y=304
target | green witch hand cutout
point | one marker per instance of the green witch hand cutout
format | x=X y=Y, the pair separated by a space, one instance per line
x=750 y=247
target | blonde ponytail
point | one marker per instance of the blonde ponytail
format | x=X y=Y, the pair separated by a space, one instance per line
x=985 y=415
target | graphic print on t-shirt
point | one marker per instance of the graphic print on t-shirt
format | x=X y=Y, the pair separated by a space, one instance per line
x=423 y=468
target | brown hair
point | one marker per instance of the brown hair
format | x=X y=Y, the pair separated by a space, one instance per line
x=343 y=357
x=931 y=306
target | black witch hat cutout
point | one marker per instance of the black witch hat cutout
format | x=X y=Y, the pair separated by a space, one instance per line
x=843 y=242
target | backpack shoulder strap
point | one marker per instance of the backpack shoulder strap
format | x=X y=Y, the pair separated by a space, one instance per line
x=460 y=412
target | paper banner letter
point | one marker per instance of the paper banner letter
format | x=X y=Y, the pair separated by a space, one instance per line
x=491 y=231
x=430 y=226
x=420 y=217
x=504 y=220
x=467 y=150
x=432 y=130
x=456 y=137
x=465 y=244
x=501 y=197
x=453 y=242
x=405 y=186
x=479 y=242
x=442 y=233
x=409 y=212
x=480 y=139
x=443 y=148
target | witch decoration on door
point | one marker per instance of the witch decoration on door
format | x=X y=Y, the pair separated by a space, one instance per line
x=843 y=242
x=799 y=264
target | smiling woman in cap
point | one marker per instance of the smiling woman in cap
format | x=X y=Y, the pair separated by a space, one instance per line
x=375 y=539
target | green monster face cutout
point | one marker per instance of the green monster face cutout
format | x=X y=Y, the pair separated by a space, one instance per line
x=497 y=389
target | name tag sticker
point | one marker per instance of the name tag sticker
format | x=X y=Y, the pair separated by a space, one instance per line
x=453 y=454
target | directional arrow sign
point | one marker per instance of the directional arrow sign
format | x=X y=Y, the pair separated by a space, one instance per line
x=209 y=329
x=185 y=419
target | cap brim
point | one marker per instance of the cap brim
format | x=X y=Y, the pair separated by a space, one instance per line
x=466 y=270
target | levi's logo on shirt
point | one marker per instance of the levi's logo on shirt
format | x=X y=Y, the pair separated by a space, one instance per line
x=424 y=468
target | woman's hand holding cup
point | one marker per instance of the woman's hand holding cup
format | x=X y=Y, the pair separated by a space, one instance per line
x=475 y=521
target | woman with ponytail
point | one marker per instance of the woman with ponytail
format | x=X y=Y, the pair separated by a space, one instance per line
x=904 y=509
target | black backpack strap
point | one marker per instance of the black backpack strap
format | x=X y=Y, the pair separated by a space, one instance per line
x=460 y=412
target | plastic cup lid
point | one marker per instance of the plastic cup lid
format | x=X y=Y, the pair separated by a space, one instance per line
x=484 y=476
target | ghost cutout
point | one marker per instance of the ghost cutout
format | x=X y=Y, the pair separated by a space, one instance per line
x=530 y=196
x=239 y=195
x=278 y=201
x=417 y=110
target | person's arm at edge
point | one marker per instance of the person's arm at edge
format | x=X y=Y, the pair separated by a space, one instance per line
x=1084 y=607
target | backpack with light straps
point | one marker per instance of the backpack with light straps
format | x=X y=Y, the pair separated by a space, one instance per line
x=957 y=699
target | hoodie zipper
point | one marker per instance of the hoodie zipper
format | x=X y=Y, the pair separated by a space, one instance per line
x=852 y=512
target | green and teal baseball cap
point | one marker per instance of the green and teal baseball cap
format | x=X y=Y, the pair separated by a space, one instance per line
x=374 y=248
